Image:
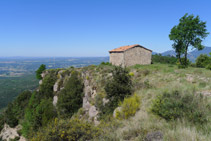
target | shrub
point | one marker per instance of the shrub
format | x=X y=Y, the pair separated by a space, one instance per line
x=208 y=66
x=202 y=61
x=131 y=74
x=71 y=97
x=67 y=130
x=176 y=105
x=106 y=63
x=10 y=117
x=44 y=113
x=193 y=65
x=46 y=88
x=183 y=64
x=39 y=71
x=146 y=72
x=15 y=110
x=128 y=107
x=158 y=58
x=21 y=103
x=118 y=87
x=38 y=113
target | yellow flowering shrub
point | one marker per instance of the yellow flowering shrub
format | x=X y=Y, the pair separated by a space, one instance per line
x=129 y=107
x=67 y=130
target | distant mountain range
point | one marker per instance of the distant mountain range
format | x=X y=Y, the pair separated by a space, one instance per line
x=191 y=55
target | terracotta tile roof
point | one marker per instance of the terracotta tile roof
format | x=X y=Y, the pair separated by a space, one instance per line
x=124 y=48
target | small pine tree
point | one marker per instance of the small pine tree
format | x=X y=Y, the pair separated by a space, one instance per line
x=39 y=71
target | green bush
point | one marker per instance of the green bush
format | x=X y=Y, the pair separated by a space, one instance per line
x=158 y=58
x=175 y=105
x=105 y=63
x=20 y=104
x=202 y=61
x=39 y=71
x=208 y=66
x=183 y=64
x=15 y=110
x=128 y=107
x=131 y=74
x=71 y=97
x=44 y=112
x=118 y=87
x=9 y=116
x=67 y=130
x=46 y=88
x=37 y=114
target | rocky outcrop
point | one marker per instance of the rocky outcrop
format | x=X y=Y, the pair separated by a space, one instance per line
x=89 y=94
x=57 y=86
x=8 y=133
x=55 y=100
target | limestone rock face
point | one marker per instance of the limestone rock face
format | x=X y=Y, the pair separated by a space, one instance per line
x=40 y=82
x=56 y=87
x=55 y=100
x=89 y=94
x=44 y=74
x=93 y=112
x=105 y=101
x=9 y=133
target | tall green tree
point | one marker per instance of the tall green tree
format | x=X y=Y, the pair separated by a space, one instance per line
x=39 y=71
x=190 y=32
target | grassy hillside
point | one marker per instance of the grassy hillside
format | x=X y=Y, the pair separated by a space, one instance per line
x=158 y=80
x=166 y=103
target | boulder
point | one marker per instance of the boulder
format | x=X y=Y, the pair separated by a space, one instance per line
x=93 y=112
x=8 y=133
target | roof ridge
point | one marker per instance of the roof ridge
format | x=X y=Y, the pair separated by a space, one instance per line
x=124 y=48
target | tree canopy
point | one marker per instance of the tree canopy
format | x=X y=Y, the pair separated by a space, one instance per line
x=189 y=32
x=39 y=71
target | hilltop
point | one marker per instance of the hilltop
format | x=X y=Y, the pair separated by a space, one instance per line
x=149 y=119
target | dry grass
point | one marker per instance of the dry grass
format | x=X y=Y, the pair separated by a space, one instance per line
x=164 y=78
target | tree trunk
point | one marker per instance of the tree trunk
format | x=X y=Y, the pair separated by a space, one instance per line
x=179 y=58
x=186 y=53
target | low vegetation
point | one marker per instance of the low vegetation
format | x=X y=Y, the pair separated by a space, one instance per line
x=182 y=105
x=158 y=58
x=67 y=130
x=157 y=99
x=71 y=97
x=119 y=87
x=129 y=107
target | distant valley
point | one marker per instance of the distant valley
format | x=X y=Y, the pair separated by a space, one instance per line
x=18 y=73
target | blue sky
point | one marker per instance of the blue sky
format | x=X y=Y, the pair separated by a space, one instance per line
x=91 y=27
